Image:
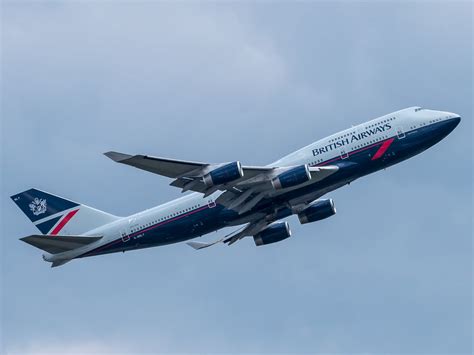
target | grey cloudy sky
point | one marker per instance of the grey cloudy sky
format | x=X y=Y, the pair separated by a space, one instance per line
x=391 y=272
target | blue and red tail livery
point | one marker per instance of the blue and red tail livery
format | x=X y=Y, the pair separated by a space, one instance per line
x=38 y=205
x=53 y=215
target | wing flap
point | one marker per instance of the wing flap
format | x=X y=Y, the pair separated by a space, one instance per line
x=247 y=230
x=55 y=244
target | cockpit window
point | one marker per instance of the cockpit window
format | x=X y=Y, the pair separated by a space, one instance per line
x=418 y=109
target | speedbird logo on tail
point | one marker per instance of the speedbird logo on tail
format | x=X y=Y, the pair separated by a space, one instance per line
x=38 y=206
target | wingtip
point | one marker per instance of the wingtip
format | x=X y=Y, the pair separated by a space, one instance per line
x=116 y=156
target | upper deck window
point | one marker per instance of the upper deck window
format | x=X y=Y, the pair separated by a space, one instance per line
x=418 y=109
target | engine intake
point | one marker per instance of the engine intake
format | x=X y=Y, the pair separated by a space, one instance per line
x=292 y=177
x=224 y=174
x=317 y=211
x=275 y=232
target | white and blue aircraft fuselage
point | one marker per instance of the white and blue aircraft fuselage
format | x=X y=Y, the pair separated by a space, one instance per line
x=231 y=194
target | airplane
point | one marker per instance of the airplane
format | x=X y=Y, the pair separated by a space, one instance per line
x=255 y=198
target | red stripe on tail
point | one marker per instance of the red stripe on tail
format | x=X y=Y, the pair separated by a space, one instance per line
x=383 y=148
x=63 y=222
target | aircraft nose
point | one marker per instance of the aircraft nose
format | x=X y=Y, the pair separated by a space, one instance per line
x=451 y=123
x=456 y=120
x=452 y=117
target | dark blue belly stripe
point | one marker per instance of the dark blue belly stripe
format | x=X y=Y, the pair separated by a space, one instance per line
x=105 y=246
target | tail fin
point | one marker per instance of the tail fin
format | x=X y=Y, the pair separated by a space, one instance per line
x=53 y=214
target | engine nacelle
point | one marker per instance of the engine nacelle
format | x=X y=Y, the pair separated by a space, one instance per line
x=292 y=177
x=224 y=174
x=317 y=211
x=275 y=232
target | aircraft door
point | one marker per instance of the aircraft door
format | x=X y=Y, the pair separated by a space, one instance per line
x=211 y=203
x=400 y=133
x=125 y=236
x=343 y=154
x=126 y=230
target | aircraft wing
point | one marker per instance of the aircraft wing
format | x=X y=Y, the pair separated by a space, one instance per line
x=167 y=167
x=247 y=230
x=244 y=186
x=183 y=171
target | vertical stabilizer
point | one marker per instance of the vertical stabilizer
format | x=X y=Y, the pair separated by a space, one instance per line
x=56 y=215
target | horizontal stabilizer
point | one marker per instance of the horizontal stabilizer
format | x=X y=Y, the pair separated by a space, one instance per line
x=55 y=244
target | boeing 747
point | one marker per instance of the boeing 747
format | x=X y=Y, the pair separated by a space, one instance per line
x=254 y=198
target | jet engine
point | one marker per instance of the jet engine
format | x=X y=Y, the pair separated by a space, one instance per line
x=275 y=232
x=224 y=174
x=317 y=211
x=292 y=177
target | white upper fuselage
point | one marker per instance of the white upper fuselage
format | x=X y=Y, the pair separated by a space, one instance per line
x=403 y=121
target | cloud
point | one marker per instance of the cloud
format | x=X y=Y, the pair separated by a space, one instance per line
x=133 y=52
x=66 y=348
